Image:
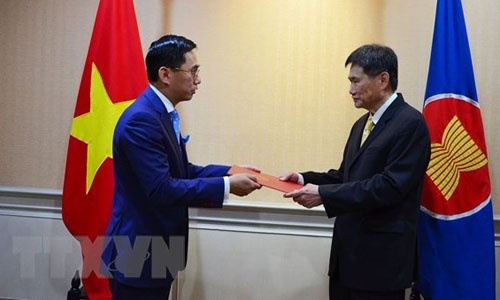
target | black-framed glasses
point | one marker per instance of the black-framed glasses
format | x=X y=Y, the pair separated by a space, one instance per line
x=195 y=72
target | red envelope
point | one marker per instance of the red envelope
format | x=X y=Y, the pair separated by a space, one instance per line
x=266 y=180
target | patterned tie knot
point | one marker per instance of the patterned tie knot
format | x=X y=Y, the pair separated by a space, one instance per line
x=176 y=122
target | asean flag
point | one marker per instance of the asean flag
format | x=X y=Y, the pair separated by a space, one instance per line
x=456 y=234
x=113 y=76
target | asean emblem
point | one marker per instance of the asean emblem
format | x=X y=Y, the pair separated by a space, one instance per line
x=457 y=180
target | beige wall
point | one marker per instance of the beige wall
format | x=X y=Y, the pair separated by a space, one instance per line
x=274 y=88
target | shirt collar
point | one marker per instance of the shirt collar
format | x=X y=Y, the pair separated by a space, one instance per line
x=378 y=114
x=168 y=105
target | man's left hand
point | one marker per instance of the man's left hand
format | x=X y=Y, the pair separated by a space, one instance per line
x=308 y=196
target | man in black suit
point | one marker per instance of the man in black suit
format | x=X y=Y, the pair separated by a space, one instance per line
x=375 y=194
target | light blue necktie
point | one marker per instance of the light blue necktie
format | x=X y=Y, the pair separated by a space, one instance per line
x=176 y=122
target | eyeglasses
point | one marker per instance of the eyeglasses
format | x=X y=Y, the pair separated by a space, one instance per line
x=194 y=72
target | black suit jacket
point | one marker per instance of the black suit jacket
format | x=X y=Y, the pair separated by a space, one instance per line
x=375 y=196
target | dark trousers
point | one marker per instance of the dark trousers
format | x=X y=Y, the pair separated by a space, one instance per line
x=340 y=292
x=127 y=292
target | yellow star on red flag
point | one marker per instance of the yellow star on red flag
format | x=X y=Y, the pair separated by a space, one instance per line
x=96 y=127
x=114 y=49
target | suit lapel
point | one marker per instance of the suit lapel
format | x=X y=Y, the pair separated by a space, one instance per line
x=164 y=116
x=379 y=127
x=184 y=155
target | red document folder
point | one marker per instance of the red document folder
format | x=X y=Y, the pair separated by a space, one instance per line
x=266 y=180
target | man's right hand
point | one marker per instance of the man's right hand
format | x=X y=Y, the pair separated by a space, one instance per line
x=243 y=184
x=292 y=177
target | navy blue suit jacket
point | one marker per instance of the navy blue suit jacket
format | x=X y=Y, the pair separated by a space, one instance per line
x=154 y=185
x=375 y=197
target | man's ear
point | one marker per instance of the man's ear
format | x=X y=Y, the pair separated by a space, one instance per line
x=164 y=75
x=384 y=80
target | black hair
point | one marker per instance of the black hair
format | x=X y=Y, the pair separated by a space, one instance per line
x=375 y=59
x=167 y=51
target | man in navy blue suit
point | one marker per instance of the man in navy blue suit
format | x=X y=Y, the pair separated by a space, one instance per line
x=154 y=181
x=375 y=194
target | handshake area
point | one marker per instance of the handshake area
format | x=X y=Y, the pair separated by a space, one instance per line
x=267 y=180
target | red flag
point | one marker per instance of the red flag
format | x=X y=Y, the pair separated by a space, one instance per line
x=113 y=76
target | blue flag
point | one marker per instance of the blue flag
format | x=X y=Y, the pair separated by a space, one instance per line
x=456 y=233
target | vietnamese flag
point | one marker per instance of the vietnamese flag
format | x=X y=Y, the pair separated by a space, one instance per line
x=113 y=76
